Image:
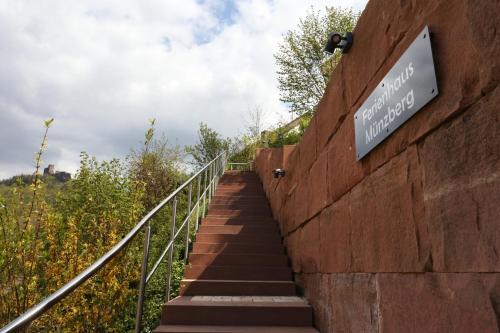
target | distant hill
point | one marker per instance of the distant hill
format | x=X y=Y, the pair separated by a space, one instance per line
x=53 y=185
x=27 y=179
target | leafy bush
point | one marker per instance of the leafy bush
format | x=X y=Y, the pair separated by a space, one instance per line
x=44 y=244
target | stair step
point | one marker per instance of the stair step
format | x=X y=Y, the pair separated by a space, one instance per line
x=274 y=260
x=246 y=194
x=238 y=278
x=231 y=310
x=237 y=248
x=232 y=329
x=238 y=229
x=239 y=212
x=245 y=238
x=240 y=187
x=237 y=288
x=225 y=199
x=241 y=219
x=259 y=273
x=258 y=207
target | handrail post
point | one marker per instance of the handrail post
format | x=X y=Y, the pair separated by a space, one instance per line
x=188 y=220
x=217 y=175
x=214 y=175
x=205 y=192
x=171 y=253
x=142 y=286
x=198 y=203
x=210 y=183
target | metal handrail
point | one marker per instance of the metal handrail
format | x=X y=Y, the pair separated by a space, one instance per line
x=215 y=168
x=229 y=165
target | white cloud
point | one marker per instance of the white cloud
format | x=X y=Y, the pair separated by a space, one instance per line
x=103 y=68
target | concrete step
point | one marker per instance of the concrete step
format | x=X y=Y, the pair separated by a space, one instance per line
x=237 y=248
x=253 y=273
x=237 y=288
x=273 y=260
x=244 y=238
x=243 y=310
x=232 y=329
x=238 y=229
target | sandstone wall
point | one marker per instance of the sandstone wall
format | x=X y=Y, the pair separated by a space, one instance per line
x=407 y=239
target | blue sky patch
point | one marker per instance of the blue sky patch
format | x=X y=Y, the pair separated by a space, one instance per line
x=167 y=44
x=225 y=11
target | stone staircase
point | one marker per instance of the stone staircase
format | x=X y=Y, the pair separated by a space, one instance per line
x=238 y=278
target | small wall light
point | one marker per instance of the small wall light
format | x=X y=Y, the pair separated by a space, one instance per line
x=337 y=41
x=278 y=173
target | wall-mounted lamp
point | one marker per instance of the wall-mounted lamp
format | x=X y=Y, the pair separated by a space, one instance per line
x=337 y=41
x=278 y=173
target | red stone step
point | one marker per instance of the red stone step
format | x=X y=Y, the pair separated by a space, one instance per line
x=227 y=220
x=238 y=273
x=232 y=329
x=239 y=212
x=245 y=218
x=239 y=199
x=243 y=193
x=237 y=206
x=237 y=288
x=238 y=229
x=244 y=238
x=238 y=279
x=236 y=248
x=209 y=310
x=274 y=260
x=240 y=186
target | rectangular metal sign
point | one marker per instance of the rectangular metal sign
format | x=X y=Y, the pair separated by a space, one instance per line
x=405 y=89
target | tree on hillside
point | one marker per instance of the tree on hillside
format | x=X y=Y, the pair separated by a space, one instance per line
x=157 y=166
x=254 y=121
x=210 y=144
x=303 y=70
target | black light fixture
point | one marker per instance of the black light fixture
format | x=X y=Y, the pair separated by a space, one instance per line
x=278 y=173
x=337 y=41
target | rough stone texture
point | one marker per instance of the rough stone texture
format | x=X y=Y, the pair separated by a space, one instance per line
x=343 y=170
x=436 y=303
x=301 y=201
x=331 y=110
x=310 y=247
x=384 y=231
x=294 y=251
x=405 y=235
x=307 y=149
x=342 y=302
x=335 y=237
x=462 y=189
x=318 y=190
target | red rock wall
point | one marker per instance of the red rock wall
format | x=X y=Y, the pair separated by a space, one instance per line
x=407 y=239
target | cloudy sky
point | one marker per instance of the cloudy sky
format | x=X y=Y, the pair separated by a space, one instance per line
x=103 y=68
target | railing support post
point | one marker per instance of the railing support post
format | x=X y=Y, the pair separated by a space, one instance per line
x=186 y=250
x=198 y=203
x=142 y=286
x=171 y=253
x=205 y=192
x=210 y=183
